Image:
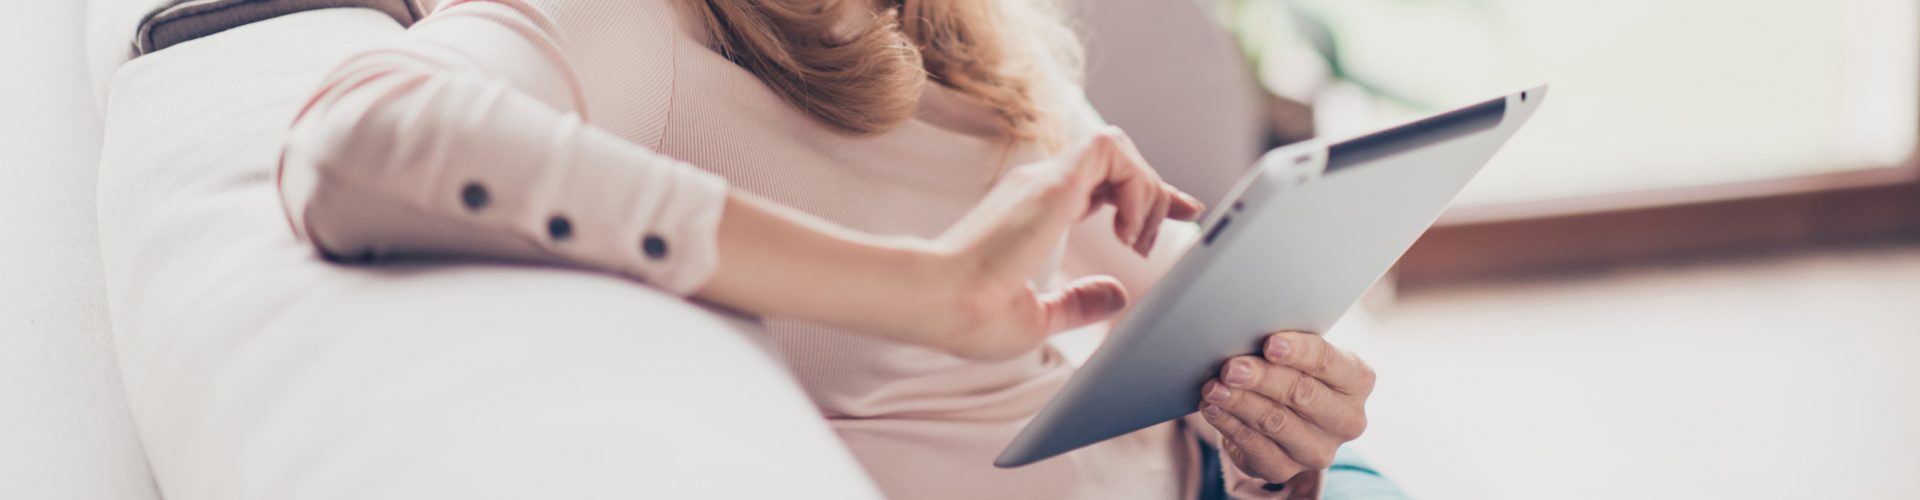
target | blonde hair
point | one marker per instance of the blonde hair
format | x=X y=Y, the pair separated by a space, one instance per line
x=867 y=79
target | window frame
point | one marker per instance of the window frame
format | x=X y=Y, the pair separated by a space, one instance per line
x=1595 y=233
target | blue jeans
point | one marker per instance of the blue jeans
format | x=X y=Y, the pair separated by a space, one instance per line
x=1348 y=479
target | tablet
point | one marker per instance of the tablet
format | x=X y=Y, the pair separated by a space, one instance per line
x=1291 y=247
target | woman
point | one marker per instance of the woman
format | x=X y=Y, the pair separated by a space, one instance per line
x=883 y=181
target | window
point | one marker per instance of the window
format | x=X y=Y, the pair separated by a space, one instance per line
x=1646 y=94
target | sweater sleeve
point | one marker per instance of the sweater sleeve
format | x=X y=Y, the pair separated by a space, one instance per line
x=465 y=137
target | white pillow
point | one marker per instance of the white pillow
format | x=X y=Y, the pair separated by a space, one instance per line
x=255 y=370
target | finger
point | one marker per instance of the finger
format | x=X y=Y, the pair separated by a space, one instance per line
x=1249 y=450
x=1128 y=148
x=1093 y=157
x=1337 y=415
x=1101 y=197
x=1311 y=354
x=1123 y=175
x=1151 y=230
x=1083 y=302
x=1131 y=206
x=1303 y=442
x=1184 y=207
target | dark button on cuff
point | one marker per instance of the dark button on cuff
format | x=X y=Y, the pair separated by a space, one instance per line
x=364 y=256
x=559 y=228
x=474 y=197
x=655 y=247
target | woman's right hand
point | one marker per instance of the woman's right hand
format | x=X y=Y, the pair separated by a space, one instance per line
x=966 y=292
x=988 y=256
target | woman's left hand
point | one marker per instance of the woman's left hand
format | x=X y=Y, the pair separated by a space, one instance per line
x=1283 y=414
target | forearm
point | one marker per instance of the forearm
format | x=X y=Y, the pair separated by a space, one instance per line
x=776 y=261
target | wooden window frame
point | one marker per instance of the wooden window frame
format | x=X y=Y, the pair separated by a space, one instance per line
x=1518 y=240
x=1584 y=234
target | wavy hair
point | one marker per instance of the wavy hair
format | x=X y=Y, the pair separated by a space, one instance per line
x=859 y=68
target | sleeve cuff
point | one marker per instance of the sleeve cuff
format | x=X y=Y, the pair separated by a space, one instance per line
x=683 y=250
x=661 y=216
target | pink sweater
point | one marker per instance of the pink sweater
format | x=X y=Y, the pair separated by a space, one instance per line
x=605 y=135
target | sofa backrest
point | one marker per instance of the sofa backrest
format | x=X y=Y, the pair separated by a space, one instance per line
x=1169 y=75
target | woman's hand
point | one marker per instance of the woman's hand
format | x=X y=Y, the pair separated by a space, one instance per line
x=991 y=253
x=1282 y=415
x=965 y=292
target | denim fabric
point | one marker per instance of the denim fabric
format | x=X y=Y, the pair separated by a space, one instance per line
x=1350 y=478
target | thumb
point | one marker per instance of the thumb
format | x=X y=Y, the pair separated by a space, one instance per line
x=1083 y=302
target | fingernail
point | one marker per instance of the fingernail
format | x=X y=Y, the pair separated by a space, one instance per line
x=1278 y=348
x=1219 y=394
x=1210 y=410
x=1238 y=374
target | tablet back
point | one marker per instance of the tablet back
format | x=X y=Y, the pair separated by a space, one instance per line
x=1291 y=248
